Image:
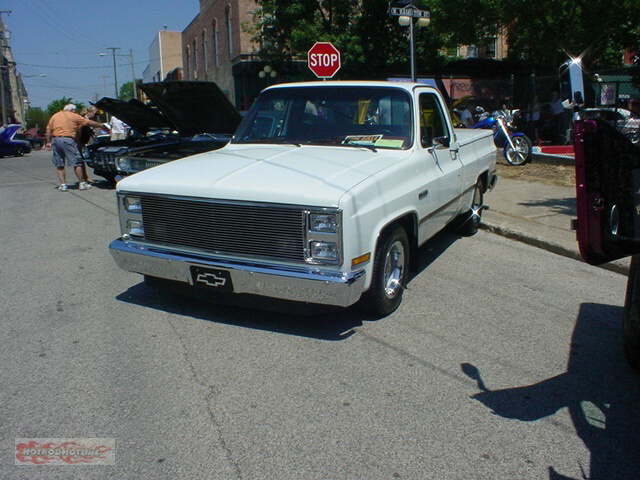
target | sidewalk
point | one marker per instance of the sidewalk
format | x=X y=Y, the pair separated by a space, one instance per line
x=537 y=214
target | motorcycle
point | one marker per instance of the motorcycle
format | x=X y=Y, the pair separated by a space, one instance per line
x=516 y=145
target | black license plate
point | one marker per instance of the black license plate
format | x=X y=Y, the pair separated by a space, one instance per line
x=212 y=278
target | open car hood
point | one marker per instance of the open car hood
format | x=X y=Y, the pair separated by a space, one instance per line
x=194 y=107
x=135 y=114
x=8 y=132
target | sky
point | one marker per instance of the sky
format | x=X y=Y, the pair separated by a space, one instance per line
x=62 y=40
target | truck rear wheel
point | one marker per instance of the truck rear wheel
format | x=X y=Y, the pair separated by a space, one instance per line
x=469 y=221
x=390 y=270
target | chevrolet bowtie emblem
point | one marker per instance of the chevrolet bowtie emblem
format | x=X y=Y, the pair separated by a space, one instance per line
x=211 y=279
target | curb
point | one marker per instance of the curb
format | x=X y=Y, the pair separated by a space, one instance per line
x=549 y=246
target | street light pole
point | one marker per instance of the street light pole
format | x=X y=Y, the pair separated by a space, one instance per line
x=406 y=11
x=115 y=71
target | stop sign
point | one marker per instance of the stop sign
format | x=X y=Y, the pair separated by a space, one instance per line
x=323 y=59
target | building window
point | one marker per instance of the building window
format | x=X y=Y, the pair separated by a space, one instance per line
x=187 y=58
x=227 y=16
x=214 y=42
x=492 y=48
x=195 y=59
x=205 y=59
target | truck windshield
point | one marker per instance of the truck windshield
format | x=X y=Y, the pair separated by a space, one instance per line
x=373 y=117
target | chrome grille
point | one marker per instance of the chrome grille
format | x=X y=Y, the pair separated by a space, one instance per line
x=235 y=229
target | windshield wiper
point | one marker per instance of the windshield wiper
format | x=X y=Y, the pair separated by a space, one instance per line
x=359 y=145
x=270 y=140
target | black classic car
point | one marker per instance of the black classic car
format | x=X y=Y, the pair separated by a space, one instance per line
x=182 y=119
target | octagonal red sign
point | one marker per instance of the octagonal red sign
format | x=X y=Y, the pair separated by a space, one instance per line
x=323 y=59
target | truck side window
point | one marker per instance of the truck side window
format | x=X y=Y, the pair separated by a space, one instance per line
x=432 y=121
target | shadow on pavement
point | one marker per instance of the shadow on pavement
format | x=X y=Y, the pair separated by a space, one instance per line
x=599 y=389
x=104 y=185
x=252 y=311
x=563 y=206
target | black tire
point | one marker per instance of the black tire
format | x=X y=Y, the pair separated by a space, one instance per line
x=469 y=221
x=390 y=273
x=522 y=155
x=631 y=319
x=19 y=152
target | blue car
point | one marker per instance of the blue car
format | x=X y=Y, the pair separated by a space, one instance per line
x=10 y=147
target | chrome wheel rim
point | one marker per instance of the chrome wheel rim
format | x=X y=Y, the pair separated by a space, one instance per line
x=394 y=269
x=476 y=205
x=519 y=154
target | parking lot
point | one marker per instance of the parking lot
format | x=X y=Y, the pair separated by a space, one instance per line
x=503 y=362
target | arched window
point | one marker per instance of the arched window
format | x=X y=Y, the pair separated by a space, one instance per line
x=214 y=43
x=205 y=58
x=187 y=58
x=195 y=59
x=227 y=15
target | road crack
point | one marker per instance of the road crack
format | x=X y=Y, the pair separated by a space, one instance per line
x=209 y=398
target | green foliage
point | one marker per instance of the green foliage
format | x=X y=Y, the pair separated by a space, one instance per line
x=546 y=31
x=373 y=45
x=37 y=117
x=57 y=105
x=126 y=91
x=371 y=42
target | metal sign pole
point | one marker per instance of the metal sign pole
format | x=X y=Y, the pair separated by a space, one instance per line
x=412 y=47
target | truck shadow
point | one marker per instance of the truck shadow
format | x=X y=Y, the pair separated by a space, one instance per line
x=564 y=206
x=599 y=389
x=252 y=311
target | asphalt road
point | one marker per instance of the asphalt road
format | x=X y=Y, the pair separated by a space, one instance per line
x=503 y=362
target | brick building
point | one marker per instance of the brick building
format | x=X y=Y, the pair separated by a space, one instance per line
x=216 y=47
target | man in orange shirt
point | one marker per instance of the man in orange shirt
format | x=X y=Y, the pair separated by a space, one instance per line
x=64 y=127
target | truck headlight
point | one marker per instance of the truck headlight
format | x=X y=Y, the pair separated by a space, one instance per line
x=123 y=163
x=323 y=223
x=135 y=228
x=133 y=204
x=324 y=251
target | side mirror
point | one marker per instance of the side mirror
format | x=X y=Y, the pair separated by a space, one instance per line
x=442 y=142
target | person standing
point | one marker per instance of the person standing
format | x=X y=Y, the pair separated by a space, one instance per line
x=118 y=129
x=62 y=131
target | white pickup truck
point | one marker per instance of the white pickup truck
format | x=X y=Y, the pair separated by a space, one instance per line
x=324 y=195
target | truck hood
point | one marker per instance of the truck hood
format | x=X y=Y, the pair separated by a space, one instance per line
x=194 y=107
x=307 y=175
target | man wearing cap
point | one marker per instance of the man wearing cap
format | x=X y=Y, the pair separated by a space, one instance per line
x=63 y=128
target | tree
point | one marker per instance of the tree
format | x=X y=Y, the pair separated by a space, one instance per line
x=543 y=32
x=126 y=91
x=547 y=31
x=57 y=105
x=37 y=117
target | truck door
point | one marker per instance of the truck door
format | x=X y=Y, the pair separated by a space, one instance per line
x=438 y=144
x=607 y=191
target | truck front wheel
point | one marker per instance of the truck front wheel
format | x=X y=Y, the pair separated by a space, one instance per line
x=390 y=269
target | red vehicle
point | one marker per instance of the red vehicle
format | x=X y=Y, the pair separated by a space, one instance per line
x=608 y=201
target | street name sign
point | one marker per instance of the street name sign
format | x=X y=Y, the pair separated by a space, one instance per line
x=410 y=12
x=323 y=59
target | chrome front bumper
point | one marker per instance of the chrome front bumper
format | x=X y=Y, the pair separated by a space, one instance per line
x=303 y=284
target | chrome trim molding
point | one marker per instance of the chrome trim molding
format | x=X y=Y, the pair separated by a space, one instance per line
x=305 y=284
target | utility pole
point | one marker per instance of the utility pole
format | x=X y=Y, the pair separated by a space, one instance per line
x=115 y=72
x=2 y=67
x=133 y=74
